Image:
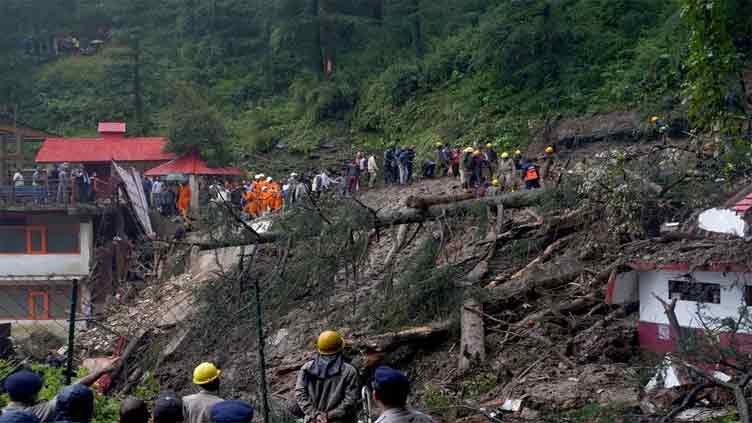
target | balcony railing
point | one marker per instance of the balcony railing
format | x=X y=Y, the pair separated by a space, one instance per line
x=60 y=193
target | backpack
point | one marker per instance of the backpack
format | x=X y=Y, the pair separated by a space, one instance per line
x=467 y=161
x=532 y=173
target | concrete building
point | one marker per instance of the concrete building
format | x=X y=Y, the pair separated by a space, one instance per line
x=41 y=253
x=714 y=291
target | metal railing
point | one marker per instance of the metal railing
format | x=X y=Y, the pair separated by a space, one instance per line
x=58 y=192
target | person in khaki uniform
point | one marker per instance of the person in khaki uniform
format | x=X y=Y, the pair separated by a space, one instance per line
x=197 y=407
x=390 y=391
x=327 y=387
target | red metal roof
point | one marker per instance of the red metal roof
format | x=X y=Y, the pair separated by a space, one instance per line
x=111 y=128
x=742 y=206
x=96 y=150
x=191 y=164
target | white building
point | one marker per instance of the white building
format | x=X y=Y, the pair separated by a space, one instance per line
x=716 y=291
x=41 y=253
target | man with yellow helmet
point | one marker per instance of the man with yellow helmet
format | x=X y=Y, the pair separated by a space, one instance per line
x=327 y=387
x=492 y=161
x=507 y=171
x=548 y=163
x=466 y=167
x=197 y=407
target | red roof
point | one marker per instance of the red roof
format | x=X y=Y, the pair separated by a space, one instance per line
x=97 y=150
x=111 y=128
x=191 y=164
x=744 y=205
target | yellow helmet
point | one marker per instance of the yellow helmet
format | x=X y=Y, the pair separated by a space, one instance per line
x=505 y=155
x=489 y=145
x=495 y=182
x=330 y=343
x=438 y=144
x=469 y=150
x=205 y=373
x=518 y=153
x=654 y=119
x=549 y=150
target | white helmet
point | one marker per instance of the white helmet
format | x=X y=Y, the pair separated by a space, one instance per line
x=269 y=179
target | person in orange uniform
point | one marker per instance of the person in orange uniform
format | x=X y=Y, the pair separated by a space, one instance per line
x=184 y=199
x=251 y=204
x=276 y=191
x=265 y=199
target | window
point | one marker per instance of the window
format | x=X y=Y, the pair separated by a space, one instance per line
x=695 y=291
x=62 y=239
x=35 y=240
x=39 y=306
x=748 y=295
x=39 y=239
x=13 y=240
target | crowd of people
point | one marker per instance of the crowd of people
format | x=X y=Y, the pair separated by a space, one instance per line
x=59 y=183
x=327 y=390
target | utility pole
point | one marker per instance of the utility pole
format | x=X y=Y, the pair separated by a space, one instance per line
x=71 y=331
x=261 y=343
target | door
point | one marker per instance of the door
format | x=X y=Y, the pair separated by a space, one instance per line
x=39 y=306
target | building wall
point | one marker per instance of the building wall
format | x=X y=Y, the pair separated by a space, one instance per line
x=25 y=265
x=654 y=329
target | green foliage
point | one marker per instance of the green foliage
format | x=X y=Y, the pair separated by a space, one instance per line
x=148 y=389
x=195 y=126
x=713 y=64
x=427 y=293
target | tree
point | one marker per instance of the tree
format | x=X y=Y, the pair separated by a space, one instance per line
x=714 y=65
x=196 y=126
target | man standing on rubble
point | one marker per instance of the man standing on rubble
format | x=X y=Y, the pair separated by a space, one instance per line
x=197 y=407
x=327 y=387
x=390 y=391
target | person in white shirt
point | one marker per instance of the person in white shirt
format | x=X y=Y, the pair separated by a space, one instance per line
x=18 y=179
x=373 y=170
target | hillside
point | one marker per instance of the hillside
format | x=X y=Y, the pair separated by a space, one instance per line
x=367 y=73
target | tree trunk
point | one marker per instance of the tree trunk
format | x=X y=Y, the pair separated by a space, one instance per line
x=424 y=203
x=472 y=337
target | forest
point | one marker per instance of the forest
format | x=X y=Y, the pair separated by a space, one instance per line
x=299 y=73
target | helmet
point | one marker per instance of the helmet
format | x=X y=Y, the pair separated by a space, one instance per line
x=489 y=145
x=205 y=373
x=476 y=153
x=269 y=179
x=654 y=119
x=518 y=153
x=438 y=144
x=549 y=150
x=495 y=182
x=505 y=155
x=469 y=150
x=330 y=343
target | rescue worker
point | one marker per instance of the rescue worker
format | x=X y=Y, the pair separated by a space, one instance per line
x=168 y=408
x=23 y=387
x=197 y=407
x=442 y=161
x=251 y=207
x=466 y=167
x=494 y=189
x=75 y=404
x=506 y=171
x=133 y=410
x=18 y=417
x=492 y=160
x=661 y=126
x=478 y=163
x=548 y=164
x=455 y=156
x=184 y=199
x=327 y=387
x=276 y=193
x=233 y=411
x=390 y=391
x=532 y=175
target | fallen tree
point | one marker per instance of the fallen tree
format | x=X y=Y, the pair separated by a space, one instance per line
x=448 y=206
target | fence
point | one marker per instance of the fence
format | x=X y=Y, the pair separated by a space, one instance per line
x=67 y=192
